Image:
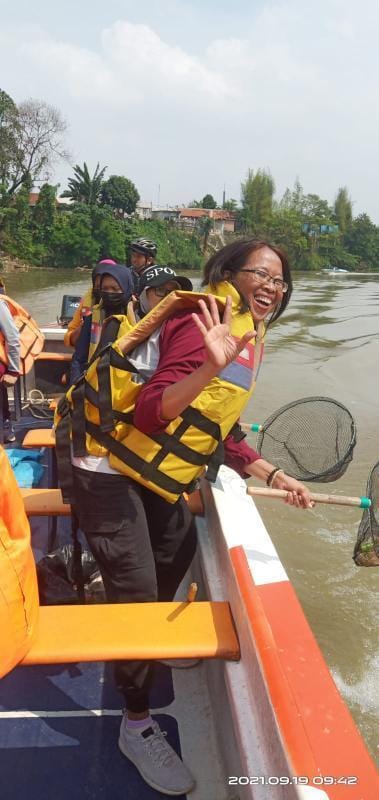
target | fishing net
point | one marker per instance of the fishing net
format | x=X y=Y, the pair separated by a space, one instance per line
x=366 y=551
x=311 y=439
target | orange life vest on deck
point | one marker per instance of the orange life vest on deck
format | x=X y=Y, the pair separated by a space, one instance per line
x=18 y=582
x=31 y=338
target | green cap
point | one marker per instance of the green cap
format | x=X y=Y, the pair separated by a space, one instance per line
x=255 y=427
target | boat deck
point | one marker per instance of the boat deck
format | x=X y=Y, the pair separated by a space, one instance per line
x=276 y=712
x=59 y=723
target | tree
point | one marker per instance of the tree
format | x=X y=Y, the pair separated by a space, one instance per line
x=286 y=230
x=343 y=209
x=83 y=188
x=257 y=200
x=362 y=240
x=230 y=205
x=44 y=215
x=120 y=194
x=8 y=139
x=73 y=243
x=38 y=132
x=293 y=200
x=208 y=201
x=108 y=232
x=18 y=238
x=205 y=227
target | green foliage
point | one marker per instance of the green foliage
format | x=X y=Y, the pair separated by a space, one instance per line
x=31 y=140
x=362 y=241
x=285 y=229
x=316 y=210
x=120 y=194
x=108 y=233
x=230 y=205
x=73 y=243
x=175 y=248
x=205 y=227
x=44 y=217
x=343 y=210
x=257 y=201
x=18 y=234
x=208 y=201
x=83 y=188
x=8 y=140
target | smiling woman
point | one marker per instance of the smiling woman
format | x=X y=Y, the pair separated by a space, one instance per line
x=259 y=271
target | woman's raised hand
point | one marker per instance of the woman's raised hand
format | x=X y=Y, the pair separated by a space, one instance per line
x=221 y=346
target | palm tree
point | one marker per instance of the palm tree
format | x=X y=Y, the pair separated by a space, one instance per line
x=83 y=188
x=205 y=227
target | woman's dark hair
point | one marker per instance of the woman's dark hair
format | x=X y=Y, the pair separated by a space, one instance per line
x=231 y=259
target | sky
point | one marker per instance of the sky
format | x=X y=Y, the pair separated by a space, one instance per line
x=185 y=97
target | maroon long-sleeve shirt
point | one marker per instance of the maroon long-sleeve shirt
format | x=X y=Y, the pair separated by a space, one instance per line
x=181 y=352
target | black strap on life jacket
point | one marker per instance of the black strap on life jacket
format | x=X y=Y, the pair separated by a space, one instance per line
x=237 y=432
x=63 y=450
x=171 y=443
x=135 y=462
x=78 y=419
x=109 y=358
x=105 y=392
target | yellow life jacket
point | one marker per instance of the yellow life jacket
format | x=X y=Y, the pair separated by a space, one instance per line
x=19 y=602
x=100 y=407
x=31 y=338
x=97 y=324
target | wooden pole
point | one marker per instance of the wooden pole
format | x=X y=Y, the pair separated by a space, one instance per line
x=332 y=499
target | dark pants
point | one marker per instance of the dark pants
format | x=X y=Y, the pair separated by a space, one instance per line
x=143 y=546
x=4 y=403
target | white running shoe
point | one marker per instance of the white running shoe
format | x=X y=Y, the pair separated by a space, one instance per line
x=155 y=759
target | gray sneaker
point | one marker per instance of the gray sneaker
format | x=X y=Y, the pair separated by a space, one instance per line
x=155 y=759
x=9 y=434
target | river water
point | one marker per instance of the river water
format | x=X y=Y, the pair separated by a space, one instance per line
x=327 y=343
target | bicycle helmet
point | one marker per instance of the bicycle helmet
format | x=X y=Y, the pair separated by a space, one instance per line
x=147 y=247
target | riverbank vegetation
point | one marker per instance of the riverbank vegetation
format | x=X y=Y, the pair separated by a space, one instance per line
x=98 y=218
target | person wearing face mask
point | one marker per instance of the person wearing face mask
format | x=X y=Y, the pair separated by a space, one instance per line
x=114 y=292
x=155 y=283
x=88 y=301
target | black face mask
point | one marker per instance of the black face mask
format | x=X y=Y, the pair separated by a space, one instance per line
x=113 y=302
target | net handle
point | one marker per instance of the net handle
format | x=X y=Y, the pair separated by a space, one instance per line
x=251 y=426
x=331 y=499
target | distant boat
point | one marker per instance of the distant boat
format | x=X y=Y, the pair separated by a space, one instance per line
x=334 y=270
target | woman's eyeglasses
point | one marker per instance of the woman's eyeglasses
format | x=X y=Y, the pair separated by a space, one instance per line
x=261 y=276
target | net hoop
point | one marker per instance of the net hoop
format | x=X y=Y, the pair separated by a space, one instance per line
x=274 y=444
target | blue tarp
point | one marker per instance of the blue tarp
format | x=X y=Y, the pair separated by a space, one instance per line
x=26 y=467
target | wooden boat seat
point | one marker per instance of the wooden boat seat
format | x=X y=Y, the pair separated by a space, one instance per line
x=39 y=437
x=49 y=503
x=107 y=632
x=46 y=356
x=44 y=503
x=94 y=632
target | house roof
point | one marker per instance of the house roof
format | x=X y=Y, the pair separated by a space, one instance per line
x=214 y=213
